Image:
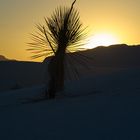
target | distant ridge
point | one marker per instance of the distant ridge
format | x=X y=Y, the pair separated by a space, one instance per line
x=3 y=58
x=115 y=55
x=118 y=55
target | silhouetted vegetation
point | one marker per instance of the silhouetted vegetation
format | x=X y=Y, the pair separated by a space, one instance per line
x=61 y=34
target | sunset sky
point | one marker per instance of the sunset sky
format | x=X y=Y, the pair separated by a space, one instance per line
x=118 y=18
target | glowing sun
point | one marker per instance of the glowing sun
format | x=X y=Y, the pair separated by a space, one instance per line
x=103 y=39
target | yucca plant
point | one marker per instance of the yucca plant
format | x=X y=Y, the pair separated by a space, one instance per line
x=62 y=33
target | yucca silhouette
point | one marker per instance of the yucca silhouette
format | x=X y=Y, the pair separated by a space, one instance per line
x=62 y=33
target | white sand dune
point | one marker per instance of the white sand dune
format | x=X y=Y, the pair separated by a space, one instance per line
x=102 y=105
x=110 y=112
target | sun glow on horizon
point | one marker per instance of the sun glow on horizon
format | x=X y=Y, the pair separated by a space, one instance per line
x=101 y=39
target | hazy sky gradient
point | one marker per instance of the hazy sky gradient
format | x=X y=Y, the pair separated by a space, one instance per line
x=18 y=17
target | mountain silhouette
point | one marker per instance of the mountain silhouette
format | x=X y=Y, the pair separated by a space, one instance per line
x=102 y=60
x=3 y=58
x=120 y=55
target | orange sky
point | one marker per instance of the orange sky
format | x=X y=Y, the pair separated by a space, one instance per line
x=18 y=17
